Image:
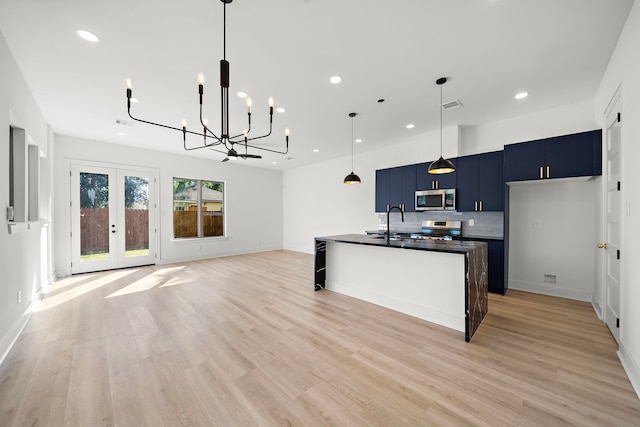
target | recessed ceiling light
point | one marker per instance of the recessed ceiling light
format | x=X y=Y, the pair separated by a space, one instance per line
x=135 y=100
x=119 y=133
x=315 y=150
x=335 y=79
x=280 y=110
x=88 y=36
x=410 y=126
x=358 y=141
x=274 y=163
x=522 y=95
x=243 y=94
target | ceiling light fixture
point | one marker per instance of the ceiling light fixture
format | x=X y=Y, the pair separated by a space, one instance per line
x=521 y=95
x=88 y=36
x=226 y=140
x=410 y=126
x=335 y=79
x=352 y=178
x=441 y=165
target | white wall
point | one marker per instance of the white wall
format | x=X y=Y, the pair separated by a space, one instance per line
x=562 y=120
x=318 y=203
x=624 y=71
x=19 y=253
x=253 y=205
x=552 y=231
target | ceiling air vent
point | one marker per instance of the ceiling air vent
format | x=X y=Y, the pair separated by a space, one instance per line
x=123 y=122
x=452 y=104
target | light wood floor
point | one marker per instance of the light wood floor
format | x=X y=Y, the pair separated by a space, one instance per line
x=245 y=341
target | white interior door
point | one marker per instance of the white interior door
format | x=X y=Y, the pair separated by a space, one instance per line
x=112 y=218
x=613 y=234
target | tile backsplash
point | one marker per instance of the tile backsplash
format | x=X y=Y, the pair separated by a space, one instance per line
x=486 y=224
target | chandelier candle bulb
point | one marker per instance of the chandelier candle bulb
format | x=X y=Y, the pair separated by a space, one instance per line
x=201 y=79
x=249 y=105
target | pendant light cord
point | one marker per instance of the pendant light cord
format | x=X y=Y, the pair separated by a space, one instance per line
x=352 y=144
x=440 y=107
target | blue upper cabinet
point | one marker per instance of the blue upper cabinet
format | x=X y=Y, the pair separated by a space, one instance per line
x=396 y=187
x=566 y=156
x=382 y=189
x=480 y=182
x=427 y=181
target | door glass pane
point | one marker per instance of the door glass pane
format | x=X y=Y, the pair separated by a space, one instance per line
x=94 y=216
x=136 y=216
x=212 y=208
x=185 y=208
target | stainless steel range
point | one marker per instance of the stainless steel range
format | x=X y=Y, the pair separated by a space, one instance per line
x=439 y=230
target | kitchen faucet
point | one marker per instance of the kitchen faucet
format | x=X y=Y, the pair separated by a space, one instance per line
x=389 y=209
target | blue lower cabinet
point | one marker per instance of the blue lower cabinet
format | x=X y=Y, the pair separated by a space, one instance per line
x=495 y=258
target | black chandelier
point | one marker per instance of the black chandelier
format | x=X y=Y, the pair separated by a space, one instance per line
x=226 y=140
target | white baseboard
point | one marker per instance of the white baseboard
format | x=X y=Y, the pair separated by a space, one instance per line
x=631 y=367
x=200 y=257
x=545 y=289
x=7 y=342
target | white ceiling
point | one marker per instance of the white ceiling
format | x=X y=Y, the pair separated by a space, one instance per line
x=557 y=50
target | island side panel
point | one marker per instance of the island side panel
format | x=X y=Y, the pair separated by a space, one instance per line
x=477 y=300
x=320 y=265
x=424 y=284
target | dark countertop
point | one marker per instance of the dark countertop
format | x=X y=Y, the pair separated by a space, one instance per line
x=473 y=238
x=450 y=246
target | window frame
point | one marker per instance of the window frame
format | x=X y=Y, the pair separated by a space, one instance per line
x=200 y=204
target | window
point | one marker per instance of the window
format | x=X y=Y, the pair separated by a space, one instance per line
x=198 y=208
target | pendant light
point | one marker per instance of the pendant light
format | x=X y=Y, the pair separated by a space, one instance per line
x=352 y=178
x=441 y=165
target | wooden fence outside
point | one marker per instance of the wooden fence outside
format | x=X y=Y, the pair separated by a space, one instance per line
x=95 y=229
x=185 y=224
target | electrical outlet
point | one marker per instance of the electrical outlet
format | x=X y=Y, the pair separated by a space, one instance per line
x=472 y=222
x=19 y=297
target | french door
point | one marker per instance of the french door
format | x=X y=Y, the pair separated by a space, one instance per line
x=113 y=218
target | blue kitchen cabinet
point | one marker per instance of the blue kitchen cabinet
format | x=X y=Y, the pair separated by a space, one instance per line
x=382 y=189
x=395 y=187
x=409 y=188
x=565 y=156
x=427 y=181
x=480 y=182
x=495 y=259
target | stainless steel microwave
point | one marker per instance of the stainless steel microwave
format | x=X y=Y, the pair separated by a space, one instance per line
x=436 y=200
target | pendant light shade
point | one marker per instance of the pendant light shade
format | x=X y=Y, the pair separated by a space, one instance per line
x=441 y=165
x=352 y=178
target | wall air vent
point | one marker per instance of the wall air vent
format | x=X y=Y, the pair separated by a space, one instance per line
x=452 y=104
x=123 y=122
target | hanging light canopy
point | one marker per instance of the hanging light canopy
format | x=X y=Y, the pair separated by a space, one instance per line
x=352 y=178
x=441 y=165
x=224 y=143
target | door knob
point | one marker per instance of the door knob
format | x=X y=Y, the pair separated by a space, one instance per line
x=603 y=246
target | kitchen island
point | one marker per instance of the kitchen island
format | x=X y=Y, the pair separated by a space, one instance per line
x=443 y=282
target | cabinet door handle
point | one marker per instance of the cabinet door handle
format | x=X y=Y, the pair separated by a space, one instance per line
x=480 y=205
x=548 y=171
x=541 y=174
x=475 y=207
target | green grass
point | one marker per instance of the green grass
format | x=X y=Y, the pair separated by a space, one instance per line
x=105 y=255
